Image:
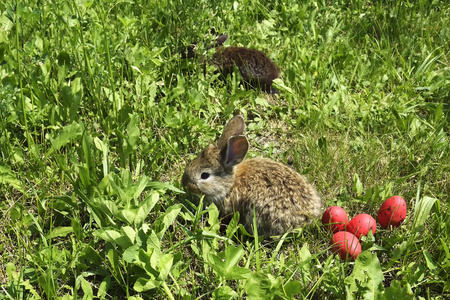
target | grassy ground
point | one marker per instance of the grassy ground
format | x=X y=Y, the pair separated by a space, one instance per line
x=98 y=116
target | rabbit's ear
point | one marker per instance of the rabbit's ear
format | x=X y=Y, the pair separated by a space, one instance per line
x=235 y=126
x=221 y=39
x=219 y=42
x=236 y=150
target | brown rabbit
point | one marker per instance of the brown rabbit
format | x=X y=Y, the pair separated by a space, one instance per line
x=283 y=198
x=256 y=68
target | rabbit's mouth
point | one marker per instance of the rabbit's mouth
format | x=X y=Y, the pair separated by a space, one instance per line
x=193 y=189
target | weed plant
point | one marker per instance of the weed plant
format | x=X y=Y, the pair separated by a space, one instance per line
x=99 y=115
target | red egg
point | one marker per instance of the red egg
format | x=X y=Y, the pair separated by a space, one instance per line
x=361 y=225
x=346 y=245
x=392 y=212
x=335 y=218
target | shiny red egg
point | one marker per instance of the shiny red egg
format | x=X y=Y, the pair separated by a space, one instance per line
x=345 y=244
x=361 y=225
x=335 y=218
x=392 y=212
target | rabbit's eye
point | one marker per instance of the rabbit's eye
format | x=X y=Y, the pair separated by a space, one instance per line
x=204 y=175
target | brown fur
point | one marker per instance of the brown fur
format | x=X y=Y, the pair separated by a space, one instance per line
x=256 y=68
x=283 y=199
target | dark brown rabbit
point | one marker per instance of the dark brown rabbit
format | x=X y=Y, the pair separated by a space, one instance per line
x=282 y=198
x=256 y=68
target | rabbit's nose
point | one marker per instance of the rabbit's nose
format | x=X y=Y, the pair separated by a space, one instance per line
x=190 y=185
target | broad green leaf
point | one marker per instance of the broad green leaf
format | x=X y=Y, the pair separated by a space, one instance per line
x=143 y=284
x=135 y=298
x=95 y=256
x=145 y=207
x=120 y=185
x=232 y=256
x=153 y=241
x=29 y=287
x=164 y=265
x=7 y=25
x=109 y=207
x=133 y=132
x=100 y=145
x=129 y=192
x=76 y=93
x=104 y=287
x=130 y=233
x=39 y=43
x=144 y=259
x=213 y=218
x=156 y=264
x=87 y=289
x=127 y=22
x=293 y=288
x=164 y=221
x=233 y=225
x=305 y=254
x=357 y=184
x=65 y=136
x=264 y=286
x=155 y=258
x=262 y=101
x=130 y=255
x=10 y=270
x=84 y=175
x=114 y=236
x=226 y=264
x=59 y=232
x=430 y=263
x=7 y=176
x=279 y=84
x=422 y=210
x=163 y=186
x=224 y=293
x=139 y=186
x=176 y=92
x=366 y=279
x=109 y=235
x=438 y=114
x=127 y=215
x=398 y=290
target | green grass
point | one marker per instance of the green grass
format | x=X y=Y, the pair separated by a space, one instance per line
x=98 y=116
